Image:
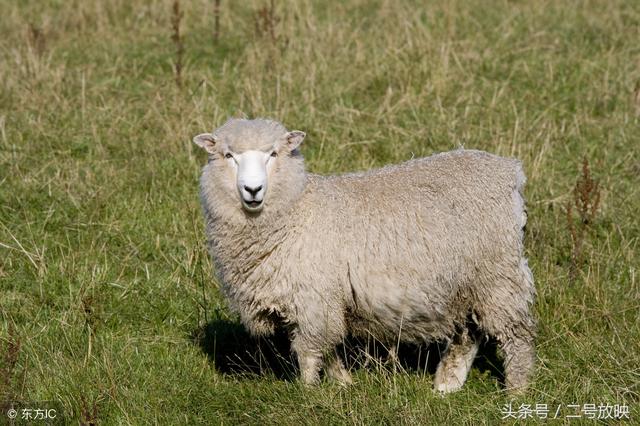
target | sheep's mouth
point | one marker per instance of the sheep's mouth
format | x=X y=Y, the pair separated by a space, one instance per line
x=252 y=205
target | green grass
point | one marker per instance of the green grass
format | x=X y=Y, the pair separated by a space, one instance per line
x=104 y=276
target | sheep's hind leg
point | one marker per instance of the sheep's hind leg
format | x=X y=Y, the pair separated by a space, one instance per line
x=507 y=316
x=519 y=359
x=454 y=366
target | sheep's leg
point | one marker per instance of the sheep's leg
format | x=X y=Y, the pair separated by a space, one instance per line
x=309 y=357
x=517 y=334
x=393 y=358
x=336 y=370
x=315 y=343
x=516 y=341
x=507 y=316
x=454 y=366
x=519 y=360
x=310 y=364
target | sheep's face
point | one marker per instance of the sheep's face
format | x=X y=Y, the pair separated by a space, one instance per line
x=251 y=169
x=250 y=163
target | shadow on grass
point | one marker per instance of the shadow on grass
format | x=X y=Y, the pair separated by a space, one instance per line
x=489 y=360
x=235 y=352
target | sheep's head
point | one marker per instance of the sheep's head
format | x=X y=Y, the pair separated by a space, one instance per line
x=249 y=155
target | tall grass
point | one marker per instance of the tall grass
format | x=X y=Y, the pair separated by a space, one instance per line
x=104 y=278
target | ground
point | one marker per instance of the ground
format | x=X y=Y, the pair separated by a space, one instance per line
x=107 y=299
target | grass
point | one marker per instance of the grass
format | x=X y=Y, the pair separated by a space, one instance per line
x=106 y=295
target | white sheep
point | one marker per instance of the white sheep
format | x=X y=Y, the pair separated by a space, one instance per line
x=427 y=250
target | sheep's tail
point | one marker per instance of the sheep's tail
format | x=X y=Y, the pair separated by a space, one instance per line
x=519 y=206
x=520 y=210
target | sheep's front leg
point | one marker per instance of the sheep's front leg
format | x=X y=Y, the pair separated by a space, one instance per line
x=392 y=357
x=315 y=343
x=310 y=364
x=309 y=359
x=336 y=370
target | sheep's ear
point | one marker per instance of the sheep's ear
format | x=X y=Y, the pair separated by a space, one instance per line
x=294 y=138
x=206 y=141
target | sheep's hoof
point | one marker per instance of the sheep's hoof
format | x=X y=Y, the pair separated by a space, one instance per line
x=516 y=390
x=340 y=376
x=447 y=387
x=344 y=380
x=309 y=382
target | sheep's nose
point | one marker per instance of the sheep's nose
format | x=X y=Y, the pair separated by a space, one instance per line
x=252 y=191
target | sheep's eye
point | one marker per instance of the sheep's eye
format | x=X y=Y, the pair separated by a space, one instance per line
x=228 y=155
x=274 y=154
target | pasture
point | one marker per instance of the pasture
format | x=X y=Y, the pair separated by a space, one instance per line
x=107 y=302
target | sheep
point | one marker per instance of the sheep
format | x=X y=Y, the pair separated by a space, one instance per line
x=423 y=251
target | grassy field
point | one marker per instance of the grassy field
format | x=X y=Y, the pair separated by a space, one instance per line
x=107 y=300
